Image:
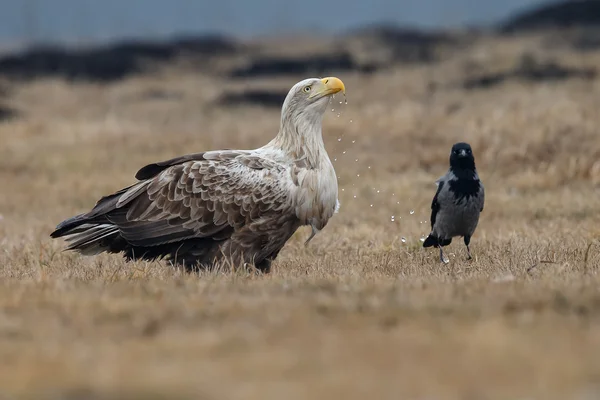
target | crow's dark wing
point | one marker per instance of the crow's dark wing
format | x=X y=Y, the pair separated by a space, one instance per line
x=435 y=206
x=482 y=194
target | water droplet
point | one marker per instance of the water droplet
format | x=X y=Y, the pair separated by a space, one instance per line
x=398 y=203
x=333 y=109
x=412 y=212
x=393 y=218
x=343 y=190
x=403 y=239
x=371 y=205
x=393 y=194
x=341 y=102
x=335 y=159
x=354 y=196
x=369 y=167
x=339 y=114
x=339 y=139
x=358 y=175
x=356 y=160
x=354 y=141
x=378 y=191
x=350 y=121
x=344 y=152
x=345 y=100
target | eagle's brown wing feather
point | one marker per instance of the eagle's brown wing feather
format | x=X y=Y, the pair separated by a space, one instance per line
x=202 y=198
x=233 y=196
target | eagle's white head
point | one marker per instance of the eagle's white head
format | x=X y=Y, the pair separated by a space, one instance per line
x=308 y=99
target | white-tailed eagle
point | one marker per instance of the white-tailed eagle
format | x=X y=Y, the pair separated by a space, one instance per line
x=233 y=206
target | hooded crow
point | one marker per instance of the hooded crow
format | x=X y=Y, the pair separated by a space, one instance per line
x=458 y=201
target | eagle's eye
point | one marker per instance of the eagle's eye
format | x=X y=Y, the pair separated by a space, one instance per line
x=307 y=89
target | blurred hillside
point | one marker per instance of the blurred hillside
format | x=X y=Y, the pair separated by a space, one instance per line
x=572 y=25
x=79 y=58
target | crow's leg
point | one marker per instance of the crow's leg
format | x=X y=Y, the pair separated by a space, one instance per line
x=442 y=257
x=467 y=241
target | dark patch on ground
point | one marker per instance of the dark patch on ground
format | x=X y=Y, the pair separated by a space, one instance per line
x=8 y=113
x=312 y=65
x=586 y=42
x=107 y=63
x=4 y=90
x=583 y=39
x=256 y=97
x=586 y=39
x=531 y=70
x=407 y=45
x=563 y=14
x=160 y=94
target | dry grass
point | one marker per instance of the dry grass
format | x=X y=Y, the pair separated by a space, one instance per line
x=359 y=313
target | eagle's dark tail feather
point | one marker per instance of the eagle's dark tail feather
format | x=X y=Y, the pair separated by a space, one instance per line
x=94 y=235
x=90 y=236
x=106 y=229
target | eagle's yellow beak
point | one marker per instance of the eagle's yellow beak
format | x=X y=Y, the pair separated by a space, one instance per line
x=331 y=85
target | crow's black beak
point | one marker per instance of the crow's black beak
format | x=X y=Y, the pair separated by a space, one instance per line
x=462 y=153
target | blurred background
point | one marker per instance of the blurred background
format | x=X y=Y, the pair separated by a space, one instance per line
x=75 y=21
x=105 y=40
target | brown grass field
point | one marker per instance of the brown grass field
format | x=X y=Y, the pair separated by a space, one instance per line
x=360 y=313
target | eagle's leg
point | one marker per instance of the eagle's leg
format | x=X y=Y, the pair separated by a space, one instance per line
x=467 y=241
x=312 y=235
x=264 y=266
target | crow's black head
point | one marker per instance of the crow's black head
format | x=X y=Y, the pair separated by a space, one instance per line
x=461 y=157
